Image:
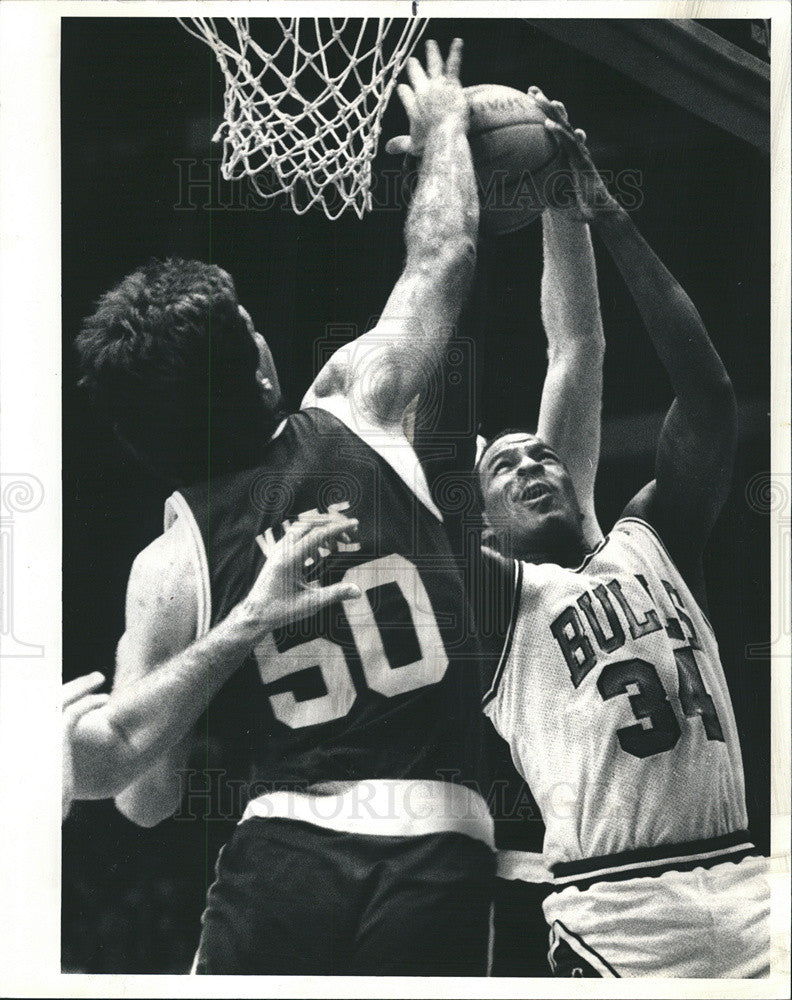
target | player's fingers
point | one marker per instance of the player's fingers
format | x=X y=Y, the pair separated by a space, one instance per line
x=561 y=111
x=415 y=73
x=321 y=536
x=292 y=533
x=303 y=525
x=80 y=686
x=541 y=100
x=80 y=708
x=454 y=61
x=399 y=144
x=562 y=132
x=407 y=95
x=325 y=596
x=434 y=61
x=580 y=134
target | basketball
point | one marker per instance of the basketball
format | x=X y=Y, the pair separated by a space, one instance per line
x=514 y=156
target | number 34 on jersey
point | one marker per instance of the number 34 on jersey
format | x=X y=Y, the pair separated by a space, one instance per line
x=593 y=626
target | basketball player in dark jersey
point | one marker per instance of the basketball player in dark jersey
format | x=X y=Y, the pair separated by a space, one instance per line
x=109 y=739
x=364 y=847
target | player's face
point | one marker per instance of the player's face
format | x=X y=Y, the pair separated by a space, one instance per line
x=529 y=501
x=266 y=373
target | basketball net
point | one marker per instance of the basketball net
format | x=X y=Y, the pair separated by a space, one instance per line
x=305 y=118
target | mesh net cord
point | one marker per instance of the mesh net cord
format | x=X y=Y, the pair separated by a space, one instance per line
x=305 y=117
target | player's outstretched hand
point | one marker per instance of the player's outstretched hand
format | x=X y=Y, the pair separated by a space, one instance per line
x=434 y=97
x=282 y=594
x=78 y=697
x=591 y=195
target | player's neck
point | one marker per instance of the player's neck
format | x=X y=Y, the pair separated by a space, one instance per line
x=568 y=551
x=568 y=560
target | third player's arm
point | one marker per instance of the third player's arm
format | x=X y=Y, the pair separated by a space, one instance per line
x=570 y=409
x=384 y=369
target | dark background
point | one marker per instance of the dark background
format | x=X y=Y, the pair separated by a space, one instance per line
x=140 y=94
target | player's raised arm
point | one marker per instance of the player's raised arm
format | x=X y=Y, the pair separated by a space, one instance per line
x=570 y=410
x=383 y=370
x=695 y=452
x=571 y=406
x=160 y=693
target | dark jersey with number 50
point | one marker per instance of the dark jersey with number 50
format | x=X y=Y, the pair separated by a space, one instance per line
x=384 y=686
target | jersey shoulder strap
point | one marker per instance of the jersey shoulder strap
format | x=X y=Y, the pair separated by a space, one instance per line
x=389 y=442
x=497 y=607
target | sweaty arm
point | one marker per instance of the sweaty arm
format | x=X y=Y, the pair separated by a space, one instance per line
x=383 y=371
x=570 y=408
x=132 y=746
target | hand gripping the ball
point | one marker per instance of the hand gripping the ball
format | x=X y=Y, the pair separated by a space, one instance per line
x=435 y=97
x=591 y=195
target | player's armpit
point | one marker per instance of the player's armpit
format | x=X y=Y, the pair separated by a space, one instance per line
x=684 y=550
x=383 y=370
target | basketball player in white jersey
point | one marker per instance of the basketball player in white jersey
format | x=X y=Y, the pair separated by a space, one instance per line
x=569 y=422
x=610 y=682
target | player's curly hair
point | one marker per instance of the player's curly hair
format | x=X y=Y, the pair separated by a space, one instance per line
x=167 y=358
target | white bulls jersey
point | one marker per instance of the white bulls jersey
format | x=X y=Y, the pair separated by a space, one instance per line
x=611 y=694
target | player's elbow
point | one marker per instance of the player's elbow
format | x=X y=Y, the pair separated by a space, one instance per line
x=720 y=399
x=100 y=779
x=144 y=808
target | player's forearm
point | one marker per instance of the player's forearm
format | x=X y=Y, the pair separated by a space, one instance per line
x=395 y=361
x=444 y=213
x=146 y=717
x=162 y=707
x=571 y=403
x=442 y=224
x=570 y=299
x=677 y=332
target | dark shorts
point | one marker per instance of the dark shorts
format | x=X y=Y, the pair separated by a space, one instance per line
x=292 y=898
x=520 y=945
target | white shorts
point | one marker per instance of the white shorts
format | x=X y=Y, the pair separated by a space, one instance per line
x=709 y=923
